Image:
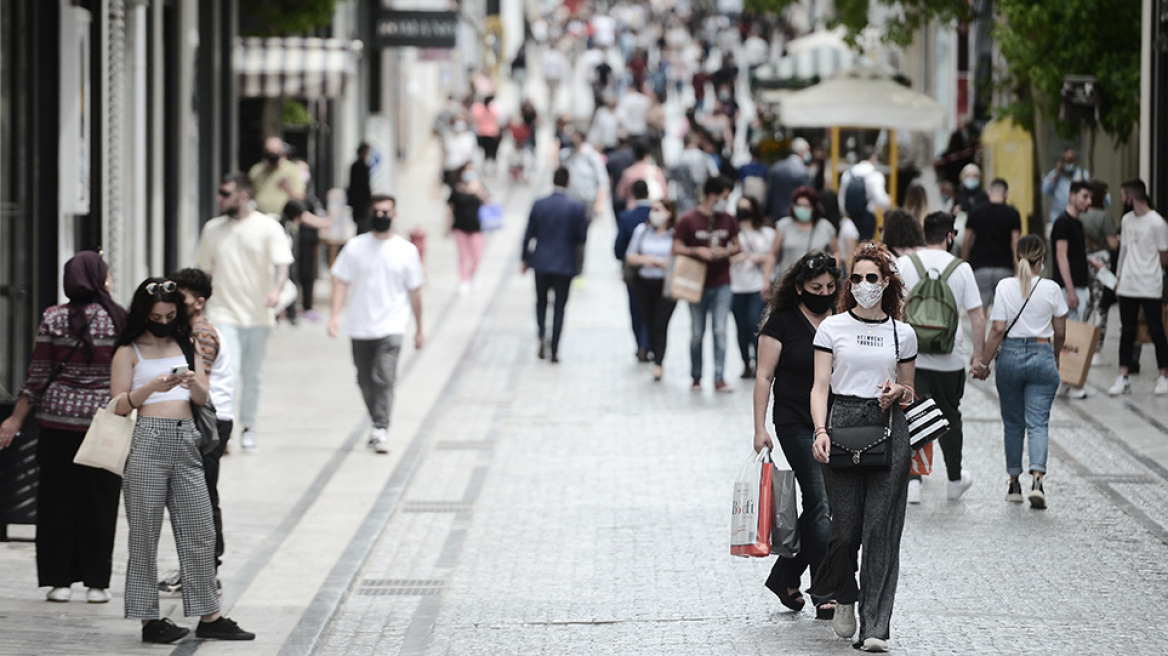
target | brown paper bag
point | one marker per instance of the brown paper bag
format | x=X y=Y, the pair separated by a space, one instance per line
x=1078 y=349
x=685 y=279
x=1142 y=335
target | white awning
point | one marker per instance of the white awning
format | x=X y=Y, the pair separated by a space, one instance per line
x=863 y=97
x=295 y=67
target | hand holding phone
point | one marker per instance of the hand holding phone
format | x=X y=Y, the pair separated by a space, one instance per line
x=179 y=370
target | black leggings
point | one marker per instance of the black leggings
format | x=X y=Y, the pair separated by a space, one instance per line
x=656 y=311
x=1129 y=313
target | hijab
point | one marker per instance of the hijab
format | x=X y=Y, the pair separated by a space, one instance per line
x=85 y=276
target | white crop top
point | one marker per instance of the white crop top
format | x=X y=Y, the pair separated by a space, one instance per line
x=146 y=370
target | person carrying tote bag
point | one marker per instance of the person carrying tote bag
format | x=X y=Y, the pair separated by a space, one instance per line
x=857 y=364
x=151 y=374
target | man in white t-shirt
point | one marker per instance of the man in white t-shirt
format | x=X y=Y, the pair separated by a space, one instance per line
x=384 y=273
x=1143 y=253
x=248 y=253
x=942 y=375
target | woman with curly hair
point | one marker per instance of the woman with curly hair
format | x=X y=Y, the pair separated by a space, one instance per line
x=801 y=301
x=864 y=367
x=901 y=233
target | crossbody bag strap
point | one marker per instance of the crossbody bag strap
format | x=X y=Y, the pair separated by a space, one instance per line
x=1019 y=315
x=80 y=340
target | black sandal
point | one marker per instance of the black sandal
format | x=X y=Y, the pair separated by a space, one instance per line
x=794 y=601
x=825 y=611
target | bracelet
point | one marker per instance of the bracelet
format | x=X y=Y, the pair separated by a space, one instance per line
x=820 y=430
x=130 y=400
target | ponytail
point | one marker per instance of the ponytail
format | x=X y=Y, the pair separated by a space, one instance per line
x=1031 y=250
x=1022 y=270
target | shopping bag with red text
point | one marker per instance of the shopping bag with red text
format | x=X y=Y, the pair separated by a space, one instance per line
x=751 y=513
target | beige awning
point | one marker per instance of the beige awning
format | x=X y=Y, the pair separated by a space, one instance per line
x=295 y=67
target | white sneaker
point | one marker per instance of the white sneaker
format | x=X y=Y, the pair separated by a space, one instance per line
x=1161 y=386
x=247 y=441
x=60 y=595
x=875 y=645
x=379 y=440
x=914 y=491
x=1122 y=386
x=97 y=596
x=958 y=488
x=1078 y=392
x=844 y=620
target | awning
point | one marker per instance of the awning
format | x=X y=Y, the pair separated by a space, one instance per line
x=295 y=67
x=810 y=58
x=863 y=97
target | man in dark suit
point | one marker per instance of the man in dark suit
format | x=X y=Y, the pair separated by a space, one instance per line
x=360 y=195
x=619 y=160
x=626 y=222
x=558 y=225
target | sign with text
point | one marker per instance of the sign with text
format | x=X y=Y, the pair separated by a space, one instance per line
x=423 y=29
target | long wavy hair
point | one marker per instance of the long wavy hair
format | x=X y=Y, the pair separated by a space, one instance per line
x=785 y=292
x=141 y=305
x=879 y=255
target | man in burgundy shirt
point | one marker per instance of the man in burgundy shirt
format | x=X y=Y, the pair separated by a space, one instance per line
x=709 y=234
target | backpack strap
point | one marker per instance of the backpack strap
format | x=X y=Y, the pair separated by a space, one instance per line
x=916 y=260
x=951 y=268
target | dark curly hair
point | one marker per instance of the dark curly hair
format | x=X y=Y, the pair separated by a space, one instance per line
x=879 y=255
x=785 y=294
x=901 y=232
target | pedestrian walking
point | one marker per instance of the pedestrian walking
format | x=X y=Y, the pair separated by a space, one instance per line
x=784 y=177
x=196 y=288
x=155 y=372
x=384 y=273
x=68 y=379
x=971 y=195
x=709 y=234
x=1028 y=325
x=558 y=226
x=1102 y=240
x=248 y=254
x=488 y=130
x=1143 y=252
x=275 y=179
x=901 y=233
x=627 y=222
x=916 y=202
x=642 y=169
x=1056 y=184
x=462 y=221
x=940 y=373
x=747 y=280
x=805 y=296
x=649 y=248
x=805 y=230
x=1070 y=257
x=305 y=225
x=459 y=148
x=360 y=186
x=866 y=195
x=991 y=236
x=864 y=369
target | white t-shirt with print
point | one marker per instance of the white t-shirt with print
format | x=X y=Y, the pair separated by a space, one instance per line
x=241 y=255
x=1141 y=240
x=863 y=352
x=381 y=273
x=1046 y=302
x=965 y=293
x=746 y=276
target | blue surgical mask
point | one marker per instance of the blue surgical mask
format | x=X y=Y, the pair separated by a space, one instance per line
x=971 y=183
x=1107 y=201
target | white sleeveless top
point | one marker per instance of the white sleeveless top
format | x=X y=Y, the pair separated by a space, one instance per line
x=146 y=370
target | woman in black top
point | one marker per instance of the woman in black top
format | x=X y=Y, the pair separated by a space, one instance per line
x=467 y=197
x=804 y=297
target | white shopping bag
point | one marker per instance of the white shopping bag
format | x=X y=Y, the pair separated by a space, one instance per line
x=751 y=513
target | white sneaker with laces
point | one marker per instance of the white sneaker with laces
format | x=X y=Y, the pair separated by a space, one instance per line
x=1122 y=386
x=844 y=620
x=60 y=595
x=914 y=491
x=958 y=488
x=1161 y=386
x=97 y=596
x=379 y=440
x=247 y=441
x=874 y=645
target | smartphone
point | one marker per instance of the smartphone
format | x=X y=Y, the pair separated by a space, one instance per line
x=179 y=369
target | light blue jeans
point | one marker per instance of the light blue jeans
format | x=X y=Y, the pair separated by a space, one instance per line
x=715 y=303
x=1027 y=381
x=247 y=347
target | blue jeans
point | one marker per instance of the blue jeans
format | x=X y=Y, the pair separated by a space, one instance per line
x=747 y=309
x=815 y=520
x=1027 y=381
x=716 y=303
x=247 y=346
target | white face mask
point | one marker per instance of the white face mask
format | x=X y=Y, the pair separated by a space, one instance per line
x=720 y=205
x=868 y=294
x=658 y=219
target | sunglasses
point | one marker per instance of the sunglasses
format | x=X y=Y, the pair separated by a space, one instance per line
x=857 y=278
x=169 y=287
x=821 y=262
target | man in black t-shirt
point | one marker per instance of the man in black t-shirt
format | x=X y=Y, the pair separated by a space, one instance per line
x=1070 y=249
x=991 y=238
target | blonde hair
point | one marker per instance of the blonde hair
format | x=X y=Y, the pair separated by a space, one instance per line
x=1031 y=251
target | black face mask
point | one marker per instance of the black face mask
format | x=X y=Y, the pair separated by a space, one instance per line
x=817 y=303
x=272 y=157
x=161 y=330
x=380 y=223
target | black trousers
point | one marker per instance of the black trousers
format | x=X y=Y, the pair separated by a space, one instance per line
x=77 y=514
x=306 y=257
x=560 y=285
x=211 y=473
x=656 y=311
x=1129 y=319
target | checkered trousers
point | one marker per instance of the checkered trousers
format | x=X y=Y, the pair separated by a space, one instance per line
x=165 y=470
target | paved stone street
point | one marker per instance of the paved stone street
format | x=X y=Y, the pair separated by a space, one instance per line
x=580 y=508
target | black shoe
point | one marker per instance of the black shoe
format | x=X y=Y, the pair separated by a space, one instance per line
x=163 y=632
x=1014 y=491
x=642 y=355
x=222 y=629
x=1037 y=496
x=555 y=358
x=542 y=349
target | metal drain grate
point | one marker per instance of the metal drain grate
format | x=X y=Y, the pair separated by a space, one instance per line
x=401 y=587
x=435 y=507
x=464 y=445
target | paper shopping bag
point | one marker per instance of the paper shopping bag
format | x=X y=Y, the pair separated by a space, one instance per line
x=685 y=279
x=107 y=442
x=751 y=513
x=922 y=460
x=1078 y=349
x=785 y=526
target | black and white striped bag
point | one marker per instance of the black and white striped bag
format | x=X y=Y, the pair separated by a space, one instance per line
x=925 y=422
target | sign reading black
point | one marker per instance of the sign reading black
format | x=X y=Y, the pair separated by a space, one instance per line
x=424 y=29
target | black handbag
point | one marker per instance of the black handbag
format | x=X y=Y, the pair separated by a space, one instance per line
x=861 y=448
x=204 y=415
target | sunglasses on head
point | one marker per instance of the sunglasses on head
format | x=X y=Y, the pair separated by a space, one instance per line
x=169 y=286
x=821 y=262
x=857 y=278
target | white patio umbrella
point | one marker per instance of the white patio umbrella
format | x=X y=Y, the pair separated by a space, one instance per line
x=862 y=97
